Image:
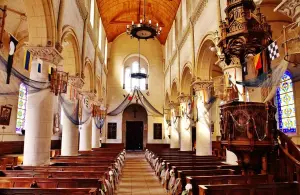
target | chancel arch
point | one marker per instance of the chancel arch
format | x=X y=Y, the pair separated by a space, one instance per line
x=135 y=119
x=70 y=51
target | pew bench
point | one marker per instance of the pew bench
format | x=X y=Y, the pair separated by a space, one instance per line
x=26 y=182
x=48 y=191
x=250 y=189
x=195 y=181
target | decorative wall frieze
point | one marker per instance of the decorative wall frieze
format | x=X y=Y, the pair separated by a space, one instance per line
x=198 y=11
x=290 y=8
x=186 y=33
x=48 y=54
x=199 y=84
x=76 y=82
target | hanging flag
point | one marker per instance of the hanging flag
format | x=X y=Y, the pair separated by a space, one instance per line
x=12 y=48
x=130 y=98
x=273 y=51
x=27 y=60
x=257 y=62
x=39 y=67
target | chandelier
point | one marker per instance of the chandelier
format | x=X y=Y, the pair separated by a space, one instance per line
x=143 y=30
x=139 y=74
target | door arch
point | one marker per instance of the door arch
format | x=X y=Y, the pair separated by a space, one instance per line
x=135 y=119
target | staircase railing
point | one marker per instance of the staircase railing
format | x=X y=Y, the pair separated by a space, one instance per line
x=289 y=159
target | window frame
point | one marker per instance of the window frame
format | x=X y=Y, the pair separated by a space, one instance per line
x=280 y=107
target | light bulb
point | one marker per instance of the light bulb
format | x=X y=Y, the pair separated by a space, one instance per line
x=141 y=21
x=149 y=21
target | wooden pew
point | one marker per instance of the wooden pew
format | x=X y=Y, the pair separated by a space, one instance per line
x=48 y=191
x=209 y=172
x=52 y=174
x=195 y=181
x=26 y=182
x=250 y=189
x=64 y=168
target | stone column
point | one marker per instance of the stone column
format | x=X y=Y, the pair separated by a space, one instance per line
x=40 y=110
x=175 y=123
x=70 y=133
x=203 y=132
x=95 y=135
x=85 y=140
x=185 y=124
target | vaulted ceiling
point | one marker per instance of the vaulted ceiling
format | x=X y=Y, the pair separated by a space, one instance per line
x=116 y=14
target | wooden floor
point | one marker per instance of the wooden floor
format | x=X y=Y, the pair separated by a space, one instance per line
x=138 y=177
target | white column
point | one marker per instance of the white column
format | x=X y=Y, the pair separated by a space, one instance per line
x=85 y=140
x=38 y=128
x=70 y=134
x=203 y=132
x=95 y=135
x=185 y=128
x=175 y=123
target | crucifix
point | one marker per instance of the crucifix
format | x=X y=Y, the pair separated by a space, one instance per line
x=134 y=112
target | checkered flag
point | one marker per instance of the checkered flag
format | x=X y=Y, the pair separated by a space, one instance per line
x=273 y=51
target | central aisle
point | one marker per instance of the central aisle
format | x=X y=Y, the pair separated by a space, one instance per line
x=138 y=178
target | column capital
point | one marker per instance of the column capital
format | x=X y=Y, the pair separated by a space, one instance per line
x=90 y=95
x=199 y=84
x=183 y=98
x=173 y=105
x=289 y=8
x=76 y=82
x=48 y=54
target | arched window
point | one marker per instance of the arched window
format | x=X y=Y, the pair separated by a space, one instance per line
x=21 y=108
x=286 y=104
x=132 y=83
x=100 y=34
x=92 y=12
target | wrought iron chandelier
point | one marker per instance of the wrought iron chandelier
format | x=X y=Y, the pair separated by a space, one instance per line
x=139 y=74
x=143 y=30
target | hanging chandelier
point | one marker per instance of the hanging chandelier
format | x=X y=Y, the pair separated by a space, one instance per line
x=144 y=29
x=139 y=74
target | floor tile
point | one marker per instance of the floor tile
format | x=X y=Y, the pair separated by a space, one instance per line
x=138 y=177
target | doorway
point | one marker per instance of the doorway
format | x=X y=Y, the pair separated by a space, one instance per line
x=134 y=135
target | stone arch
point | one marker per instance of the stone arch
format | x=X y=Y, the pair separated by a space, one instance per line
x=88 y=76
x=41 y=22
x=70 y=52
x=174 y=91
x=186 y=79
x=206 y=59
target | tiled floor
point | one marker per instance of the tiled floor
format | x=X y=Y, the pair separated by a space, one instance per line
x=138 y=177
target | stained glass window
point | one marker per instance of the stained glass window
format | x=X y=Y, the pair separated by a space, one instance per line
x=286 y=104
x=21 y=108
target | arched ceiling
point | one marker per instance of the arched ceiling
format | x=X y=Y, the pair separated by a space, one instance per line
x=116 y=14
